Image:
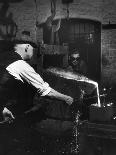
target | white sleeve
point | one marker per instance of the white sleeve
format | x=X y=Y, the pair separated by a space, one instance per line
x=23 y=71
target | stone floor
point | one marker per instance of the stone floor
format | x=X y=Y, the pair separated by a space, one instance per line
x=35 y=134
x=51 y=137
x=27 y=136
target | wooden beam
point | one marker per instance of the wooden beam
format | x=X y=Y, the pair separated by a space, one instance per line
x=108 y=26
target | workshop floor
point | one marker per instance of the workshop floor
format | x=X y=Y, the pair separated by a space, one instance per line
x=28 y=141
x=30 y=136
x=48 y=137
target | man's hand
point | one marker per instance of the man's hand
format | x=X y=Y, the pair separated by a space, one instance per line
x=7 y=115
x=69 y=100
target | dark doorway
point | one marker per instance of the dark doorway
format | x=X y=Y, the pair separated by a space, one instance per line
x=85 y=35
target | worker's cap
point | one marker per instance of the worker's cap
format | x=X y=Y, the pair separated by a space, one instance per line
x=33 y=44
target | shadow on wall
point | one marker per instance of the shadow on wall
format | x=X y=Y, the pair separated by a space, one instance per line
x=5 y=46
x=8 y=27
x=10 y=1
x=105 y=61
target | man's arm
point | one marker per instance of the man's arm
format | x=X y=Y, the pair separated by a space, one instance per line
x=21 y=70
x=55 y=94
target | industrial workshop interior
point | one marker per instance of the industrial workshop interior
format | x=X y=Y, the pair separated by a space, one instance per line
x=57 y=77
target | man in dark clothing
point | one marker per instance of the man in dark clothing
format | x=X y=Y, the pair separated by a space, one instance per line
x=76 y=64
x=17 y=77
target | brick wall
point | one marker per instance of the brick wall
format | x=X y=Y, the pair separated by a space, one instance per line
x=24 y=16
x=109 y=56
x=26 y=12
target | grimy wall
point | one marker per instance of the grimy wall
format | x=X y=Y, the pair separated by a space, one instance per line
x=24 y=15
